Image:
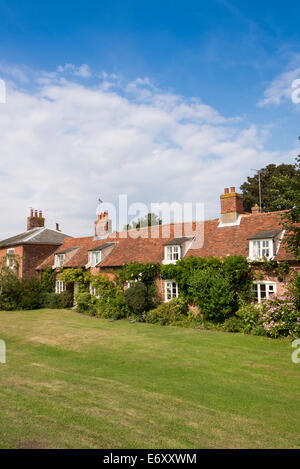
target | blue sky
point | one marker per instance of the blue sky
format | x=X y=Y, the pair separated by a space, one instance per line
x=236 y=58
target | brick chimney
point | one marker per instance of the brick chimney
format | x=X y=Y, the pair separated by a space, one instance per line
x=103 y=225
x=35 y=220
x=231 y=205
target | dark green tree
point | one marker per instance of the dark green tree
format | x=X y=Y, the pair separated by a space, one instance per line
x=271 y=202
x=288 y=189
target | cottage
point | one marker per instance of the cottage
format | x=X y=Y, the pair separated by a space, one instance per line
x=30 y=248
x=256 y=236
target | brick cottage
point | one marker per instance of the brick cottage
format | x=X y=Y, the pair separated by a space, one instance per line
x=255 y=235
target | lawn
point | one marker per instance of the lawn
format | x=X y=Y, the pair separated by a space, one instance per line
x=73 y=381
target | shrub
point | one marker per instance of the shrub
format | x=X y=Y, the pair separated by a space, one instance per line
x=136 y=298
x=250 y=316
x=30 y=290
x=114 y=307
x=50 y=300
x=213 y=295
x=173 y=312
x=259 y=330
x=48 y=277
x=280 y=314
x=10 y=290
x=233 y=324
x=65 y=299
x=83 y=302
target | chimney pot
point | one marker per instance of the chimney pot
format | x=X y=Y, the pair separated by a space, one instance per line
x=232 y=189
x=35 y=219
x=226 y=190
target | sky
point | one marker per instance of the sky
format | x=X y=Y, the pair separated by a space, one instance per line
x=162 y=101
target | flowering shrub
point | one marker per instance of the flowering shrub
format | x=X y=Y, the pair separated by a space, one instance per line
x=280 y=314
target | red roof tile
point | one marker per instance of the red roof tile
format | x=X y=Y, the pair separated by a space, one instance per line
x=217 y=241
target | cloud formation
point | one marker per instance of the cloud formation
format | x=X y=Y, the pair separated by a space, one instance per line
x=65 y=143
x=281 y=88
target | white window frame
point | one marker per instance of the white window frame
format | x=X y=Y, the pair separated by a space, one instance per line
x=264 y=293
x=60 y=286
x=172 y=253
x=260 y=248
x=171 y=290
x=10 y=261
x=93 y=290
x=59 y=260
x=94 y=258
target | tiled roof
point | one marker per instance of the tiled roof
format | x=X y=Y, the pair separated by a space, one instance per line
x=35 y=236
x=266 y=234
x=101 y=247
x=136 y=246
x=232 y=240
x=178 y=241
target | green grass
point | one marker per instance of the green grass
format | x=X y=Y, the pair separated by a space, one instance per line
x=73 y=381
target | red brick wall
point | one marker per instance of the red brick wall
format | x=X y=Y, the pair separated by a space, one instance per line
x=33 y=255
x=18 y=253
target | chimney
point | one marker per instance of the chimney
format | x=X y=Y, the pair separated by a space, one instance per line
x=103 y=225
x=57 y=227
x=231 y=206
x=35 y=220
x=255 y=209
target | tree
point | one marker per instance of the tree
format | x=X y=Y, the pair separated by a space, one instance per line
x=289 y=190
x=271 y=202
x=151 y=219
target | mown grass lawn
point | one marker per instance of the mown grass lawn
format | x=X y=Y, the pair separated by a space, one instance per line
x=73 y=381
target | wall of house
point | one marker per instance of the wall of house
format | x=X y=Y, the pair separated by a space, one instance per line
x=33 y=255
x=18 y=252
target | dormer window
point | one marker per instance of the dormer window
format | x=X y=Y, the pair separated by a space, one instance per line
x=172 y=253
x=94 y=258
x=59 y=260
x=261 y=248
x=262 y=245
x=10 y=261
x=176 y=248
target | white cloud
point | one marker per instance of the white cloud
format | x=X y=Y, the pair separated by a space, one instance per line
x=65 y=144
x=82 y=71
x=281 y=88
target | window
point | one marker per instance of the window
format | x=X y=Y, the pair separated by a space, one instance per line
x=172 y=253
x=94 y=258
x=263 y=290
x=93 y=290
x=59 y=286
x=59 y=260
x=10 y=258
x=171 y=290
x=261 y=248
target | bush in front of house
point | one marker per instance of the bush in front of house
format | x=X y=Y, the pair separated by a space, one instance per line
x=85 y=303
x=171 y=313
x=233 y=324
x=30 y=291
x=250 y=315
x=140 y=298
x=281 y=314
x=56 y=300
x=213 y=295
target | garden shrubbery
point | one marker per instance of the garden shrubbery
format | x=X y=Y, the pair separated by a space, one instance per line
x=175 y=312
x=30 y=293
